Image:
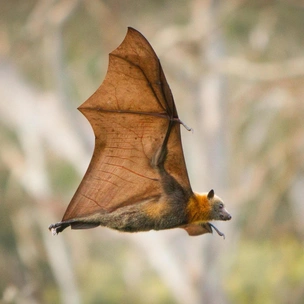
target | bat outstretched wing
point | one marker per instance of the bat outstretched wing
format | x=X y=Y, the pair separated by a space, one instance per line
x=136 y=125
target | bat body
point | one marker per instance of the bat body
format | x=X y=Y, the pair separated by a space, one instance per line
x=137 y=179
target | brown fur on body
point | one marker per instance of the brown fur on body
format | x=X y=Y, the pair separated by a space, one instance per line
x=136 y=218
x=155 y=214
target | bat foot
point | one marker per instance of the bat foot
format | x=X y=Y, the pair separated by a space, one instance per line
x=57 y=227
x=75 y=224
x=218 y=232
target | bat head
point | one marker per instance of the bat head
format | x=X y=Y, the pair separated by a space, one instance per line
x=218 y=210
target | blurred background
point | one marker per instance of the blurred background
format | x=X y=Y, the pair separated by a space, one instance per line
x=236 y=69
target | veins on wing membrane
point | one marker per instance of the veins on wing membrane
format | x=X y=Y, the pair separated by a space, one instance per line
x=146 y=78
x=89 y=198
x=131 y=171
x=114 y=174
x=124 y=158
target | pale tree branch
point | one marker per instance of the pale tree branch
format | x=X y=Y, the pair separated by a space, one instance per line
x=266 y=71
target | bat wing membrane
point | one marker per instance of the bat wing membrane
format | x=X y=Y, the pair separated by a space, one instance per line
x=130 y=114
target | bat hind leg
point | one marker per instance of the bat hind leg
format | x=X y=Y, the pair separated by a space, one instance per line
x=218 y=232
x=60 y=226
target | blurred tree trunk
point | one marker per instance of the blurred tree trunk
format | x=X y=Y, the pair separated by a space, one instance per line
x=211 y=90
x=32 y=175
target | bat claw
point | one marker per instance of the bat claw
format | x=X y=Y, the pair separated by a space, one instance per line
x=57 y=227
x=54 y=231
x=186 y=127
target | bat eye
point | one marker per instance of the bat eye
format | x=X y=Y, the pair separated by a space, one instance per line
x=221 y=206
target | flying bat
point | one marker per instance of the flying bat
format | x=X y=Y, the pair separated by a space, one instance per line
x=137 y=178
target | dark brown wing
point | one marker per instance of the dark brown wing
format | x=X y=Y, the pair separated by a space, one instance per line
x=130 y=114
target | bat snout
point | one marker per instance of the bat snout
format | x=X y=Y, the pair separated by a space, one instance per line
x=225 y=216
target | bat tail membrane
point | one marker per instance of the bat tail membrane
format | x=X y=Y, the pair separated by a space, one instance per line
x=59 y=227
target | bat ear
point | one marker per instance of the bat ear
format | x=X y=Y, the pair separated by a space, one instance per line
x=210 y=194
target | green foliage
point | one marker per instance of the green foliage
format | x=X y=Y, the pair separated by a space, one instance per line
x=63 y=176
x=269 y=271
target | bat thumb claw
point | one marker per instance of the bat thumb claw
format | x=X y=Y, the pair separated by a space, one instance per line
x=186 y=127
